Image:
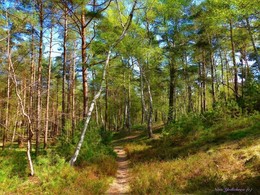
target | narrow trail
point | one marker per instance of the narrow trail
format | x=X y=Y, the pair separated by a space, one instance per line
x=121 y=182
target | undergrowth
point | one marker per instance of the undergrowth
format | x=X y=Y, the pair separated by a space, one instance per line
x=92 y=174
x=199 y=155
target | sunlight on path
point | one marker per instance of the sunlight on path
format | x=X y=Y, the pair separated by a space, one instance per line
x=121 y=182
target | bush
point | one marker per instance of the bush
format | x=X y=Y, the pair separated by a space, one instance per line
x=94 y=145
x=184 y=125
x=106 y=136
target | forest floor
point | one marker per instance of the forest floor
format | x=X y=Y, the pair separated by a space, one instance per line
x=121 y=183
x=210 y=160
x=225 y=158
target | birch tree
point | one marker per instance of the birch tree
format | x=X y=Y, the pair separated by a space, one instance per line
x=92 y=105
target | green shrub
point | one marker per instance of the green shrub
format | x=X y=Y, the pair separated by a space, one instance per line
x=106 y=136
x=95 y=145
x=184 y=125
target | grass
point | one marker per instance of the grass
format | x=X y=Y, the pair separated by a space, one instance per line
x=53 y=175
x=211 y=160
x=202 y=160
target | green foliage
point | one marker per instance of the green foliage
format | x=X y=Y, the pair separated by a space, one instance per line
x=12 y=168
x=251 y=99
x=106 y=136
x=185 y=125
x=197 y=123
x=94 y=145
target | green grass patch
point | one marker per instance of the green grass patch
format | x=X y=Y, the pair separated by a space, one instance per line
x=92 y=174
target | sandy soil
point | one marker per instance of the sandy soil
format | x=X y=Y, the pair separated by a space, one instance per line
x=121 y=182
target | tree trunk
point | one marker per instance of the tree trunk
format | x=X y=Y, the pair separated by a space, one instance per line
x=63 y=103
x=227 y=75
x=234 y=60
x=204 y=76
x=39 y=84
x=222 y=74
x=48 y=94
x=106 y=104
x=75 y=156
x=84 y=64
x=128 y=103
x=144 y=112
x=171 y=93
x=76 y=153
x=187 y=81
x=200 y=88
x=32 y=83
x=21 y=103
x=73 y=85
x=253 y=42
x=150 y=113
x=212 y=65
x=8 y=86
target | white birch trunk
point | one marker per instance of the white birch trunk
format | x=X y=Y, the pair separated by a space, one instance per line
x=92 y=105
x=75 y=156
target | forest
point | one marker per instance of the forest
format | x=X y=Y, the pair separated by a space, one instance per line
x=129 y=96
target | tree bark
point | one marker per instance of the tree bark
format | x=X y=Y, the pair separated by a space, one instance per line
x=32 y=83
x=106 y=104
x=171 y=93
x=187 y=81
x=144 y=111
x=253 y=42
x=128 y=103
x=8 y=87
x=204 y=76
x=212 y=67
x=222 y=74
x=234 y=60
x=75 y=156
x=39 y=84
x=84 y=64
x=76 y=153
x=73 y=85
x=150 y=113
x=63 y=104
x=21 y=102
x=227 y=75
x=48 y=94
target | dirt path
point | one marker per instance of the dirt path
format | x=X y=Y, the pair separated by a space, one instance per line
x=121 y=182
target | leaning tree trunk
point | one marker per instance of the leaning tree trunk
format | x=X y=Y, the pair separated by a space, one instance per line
x=92 y=105
x=253 y=42
x=21 y=102
x=75 y=156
